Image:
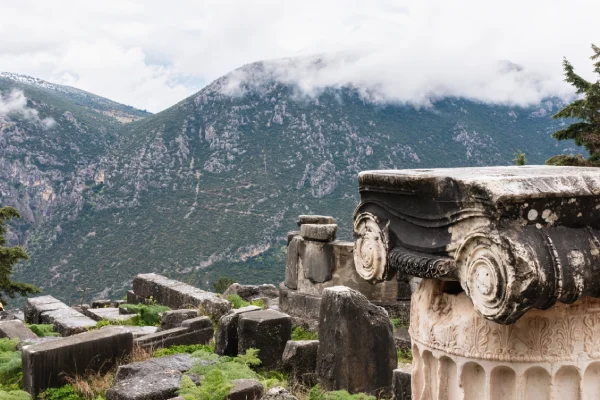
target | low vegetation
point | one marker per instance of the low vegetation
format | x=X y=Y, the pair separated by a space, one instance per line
x=316 y=393
x=237 y=302
x=404 y=356
x=300 y=333
x=43 y=330
x=181 y=349
x=10 y=365
x=147 y=314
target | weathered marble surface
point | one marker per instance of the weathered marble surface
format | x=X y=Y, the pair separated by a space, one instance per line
x=516 y=238
x=546 y=354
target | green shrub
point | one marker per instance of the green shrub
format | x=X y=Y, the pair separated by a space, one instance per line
x=214 y=387
x=236 y=301
x=8 y=345
x=316 y=393
x=131 y=321
x=239 y=367
x=405 y=356
x=43 y=330
x=222 y=284
x=395 y=323
x=66 y=392
x=10 y=365
x=147 y=314
x=258 y=303
x=179 y=349
x=14 y=395
x=299 y=333
x=271 y=379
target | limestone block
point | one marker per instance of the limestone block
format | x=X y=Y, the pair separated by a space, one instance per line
x=15 y=329
x=108 y=313
x=291 y=235
x=35 y=306
x=252 y=292
x=291 y=264
x=322 y=233
x=402 y=338
x=300 y=359
x=176 y=362
x=245 y=389
x=357 y=352
x=199 y=324
x=278 y=393
x=266 y=330
x=29 y=342
x=117 y=303
x=157 y=378
x=133 y=298
x=174 y=318
x=315 y=219
x=67 y=321
x=317 y=260
x=401 y=387
x=178 y=295
x=46 y=364
x=226 y=338
x=195 y=332
x=137 y=331
x=101 y=303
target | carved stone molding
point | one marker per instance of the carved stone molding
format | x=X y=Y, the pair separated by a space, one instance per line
x=546 y=354
x=370 y=248
x=515 y=238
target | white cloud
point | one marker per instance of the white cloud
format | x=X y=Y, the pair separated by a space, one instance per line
x=14 y=103
x=151 y=54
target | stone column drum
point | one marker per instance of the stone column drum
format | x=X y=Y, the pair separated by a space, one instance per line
x=509 y=305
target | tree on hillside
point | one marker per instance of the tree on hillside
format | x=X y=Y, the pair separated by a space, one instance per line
x=9 y=256
x=520 y=158
x=586 y=131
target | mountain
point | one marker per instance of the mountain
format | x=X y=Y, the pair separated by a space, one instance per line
x=210 y=186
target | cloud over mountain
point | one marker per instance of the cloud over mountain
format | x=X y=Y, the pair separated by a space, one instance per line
x=151 y=55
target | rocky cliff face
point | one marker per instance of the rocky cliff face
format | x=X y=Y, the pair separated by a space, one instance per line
x=210 y=186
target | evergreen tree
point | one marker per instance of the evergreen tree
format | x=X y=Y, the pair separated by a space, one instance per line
x=9 y=256
x=585 y=132
x=520 y=158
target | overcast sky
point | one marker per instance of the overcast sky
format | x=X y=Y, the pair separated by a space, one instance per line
x=152 y=54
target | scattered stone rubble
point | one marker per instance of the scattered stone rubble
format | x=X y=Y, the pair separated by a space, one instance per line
x=344 y=318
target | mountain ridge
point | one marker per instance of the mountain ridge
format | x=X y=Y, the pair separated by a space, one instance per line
x=210 y=186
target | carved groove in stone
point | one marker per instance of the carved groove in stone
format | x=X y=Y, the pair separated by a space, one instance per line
x=420 y=265
x=370 y=248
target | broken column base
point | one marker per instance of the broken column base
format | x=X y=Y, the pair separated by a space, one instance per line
x=546 y=354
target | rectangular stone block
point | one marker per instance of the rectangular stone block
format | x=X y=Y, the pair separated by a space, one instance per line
x=37 y=305
x=265 y=330
x=401 y=384
x=15 y=329
x=198 y=330
x=317 y=260
x=178 y=295
x=133 y=298
x=47 y=364
x=108 y=313
x=67 y=321
x=291 y=265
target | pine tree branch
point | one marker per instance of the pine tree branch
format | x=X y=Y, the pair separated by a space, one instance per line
x=576 y=131
x=571 y=77
x=574 y=110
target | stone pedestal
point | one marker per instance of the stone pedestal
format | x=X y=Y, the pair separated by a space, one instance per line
x=509 y=304
x=546 y=354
